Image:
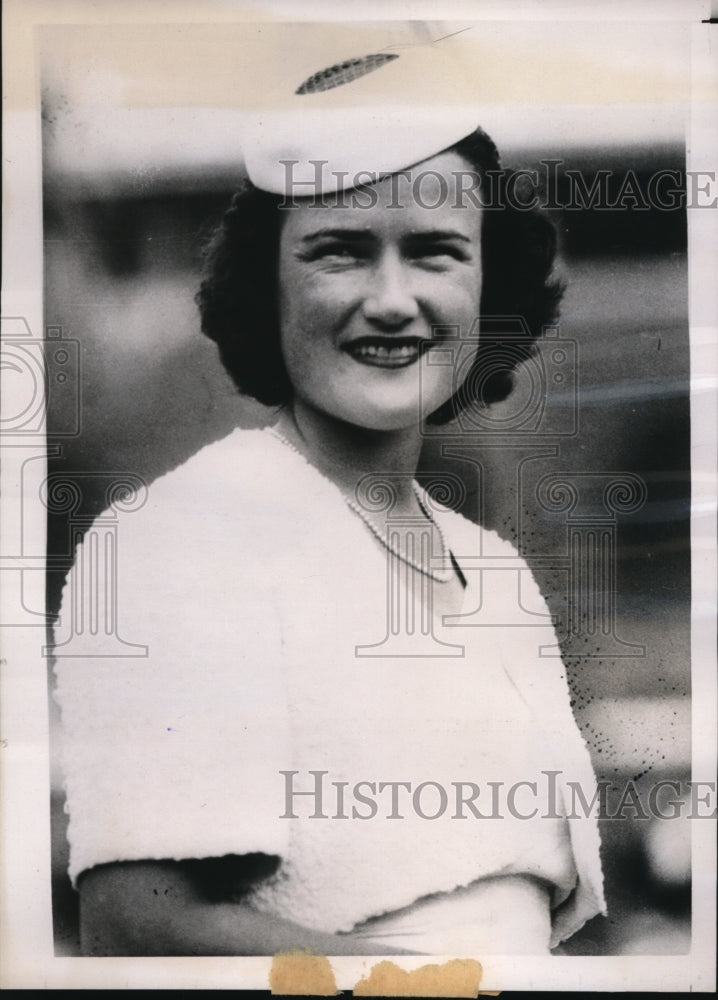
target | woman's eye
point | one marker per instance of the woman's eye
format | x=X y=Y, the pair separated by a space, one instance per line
x=337 y=252
x=439 y=251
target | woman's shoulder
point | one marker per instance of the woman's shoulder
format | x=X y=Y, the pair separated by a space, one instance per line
x=479 y=549
x=234 y=478
x=213 y=503
x=194 y=536
x=473 y=539
x=234 y=461
x=244 y=500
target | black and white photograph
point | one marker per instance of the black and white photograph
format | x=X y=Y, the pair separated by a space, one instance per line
x=359 y=450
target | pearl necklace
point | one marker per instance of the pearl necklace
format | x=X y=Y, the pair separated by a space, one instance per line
x=439 y=576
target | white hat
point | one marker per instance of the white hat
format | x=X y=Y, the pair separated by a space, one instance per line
x=351 y=121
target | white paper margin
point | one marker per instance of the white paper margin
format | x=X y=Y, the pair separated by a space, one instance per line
x=26 y=925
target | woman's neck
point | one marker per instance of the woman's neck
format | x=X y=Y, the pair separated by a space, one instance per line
x=345 y=453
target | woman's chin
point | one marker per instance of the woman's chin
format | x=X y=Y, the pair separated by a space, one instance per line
x=385 y=416
x=378 y=421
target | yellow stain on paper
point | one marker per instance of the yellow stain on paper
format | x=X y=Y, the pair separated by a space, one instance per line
x=302 y=973
x=458 y=978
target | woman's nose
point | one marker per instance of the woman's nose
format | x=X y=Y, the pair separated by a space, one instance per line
x=391 y=300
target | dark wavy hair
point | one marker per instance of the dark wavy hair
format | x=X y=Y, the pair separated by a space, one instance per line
x=239 y=301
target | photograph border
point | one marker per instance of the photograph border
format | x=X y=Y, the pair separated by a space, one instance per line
x=26 y=938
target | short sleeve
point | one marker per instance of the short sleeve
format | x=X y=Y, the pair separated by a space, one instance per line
x=533 y=661
x=176 y=754
x=530 y=653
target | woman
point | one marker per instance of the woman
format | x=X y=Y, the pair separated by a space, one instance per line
x=305 y=758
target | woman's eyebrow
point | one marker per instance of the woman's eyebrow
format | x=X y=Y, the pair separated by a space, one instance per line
x=439 y=234
x=367 y=236
x=340 y=234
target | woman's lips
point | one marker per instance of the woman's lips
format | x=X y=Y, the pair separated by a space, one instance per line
x=387 y=352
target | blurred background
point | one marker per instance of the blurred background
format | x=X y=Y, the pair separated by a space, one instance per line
x=142 y=151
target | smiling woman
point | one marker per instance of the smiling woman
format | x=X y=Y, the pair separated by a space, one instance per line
x=309 y=613
x=240 y=296
x=376 y=293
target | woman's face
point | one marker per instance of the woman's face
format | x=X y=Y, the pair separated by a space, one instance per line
x=362 y=288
